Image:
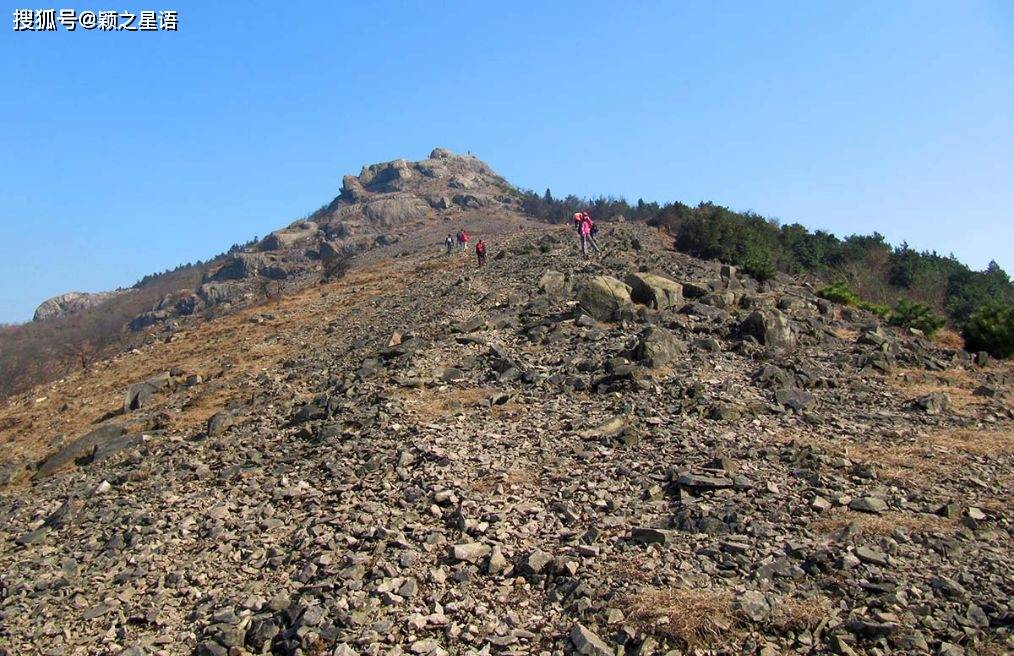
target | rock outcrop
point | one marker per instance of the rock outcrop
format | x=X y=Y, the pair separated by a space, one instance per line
x=69 y=303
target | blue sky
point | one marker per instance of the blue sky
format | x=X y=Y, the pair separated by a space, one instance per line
x=127 y=153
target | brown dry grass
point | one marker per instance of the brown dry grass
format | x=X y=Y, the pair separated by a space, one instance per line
x=427 y=403
x=879 y=525
x=710 y=617
x=225 y=351
x=958 y=384
x=795 y=614
x=932 y=455
x=947 y=338
x=846 y=334
x=631 y=567
x=693 y=617
x=981 y=442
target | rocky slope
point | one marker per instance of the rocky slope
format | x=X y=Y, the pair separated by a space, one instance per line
x=640 y=453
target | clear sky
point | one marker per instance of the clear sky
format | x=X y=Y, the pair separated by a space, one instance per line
x=127 y=153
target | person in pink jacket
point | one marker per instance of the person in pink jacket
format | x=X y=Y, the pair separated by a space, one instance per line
x=587 y=231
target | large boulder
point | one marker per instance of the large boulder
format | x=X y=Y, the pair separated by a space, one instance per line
x=138 y=394
x=297 y=235
x=98 y=444
x=395 y=210
x=769 y=327
x=603 y=296
x=555 y=284
x=213 y=293
x=658 y=347
x=654 y=291
x=240 y=266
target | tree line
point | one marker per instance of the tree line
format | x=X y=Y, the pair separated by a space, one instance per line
x=882 y=275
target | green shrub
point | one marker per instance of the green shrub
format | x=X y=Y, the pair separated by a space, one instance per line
x=916 y=315
x=881 y=311
x=839 y=293
x=760 y=264
x=991 y=329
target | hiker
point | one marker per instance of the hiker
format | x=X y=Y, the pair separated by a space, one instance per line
x=480 y=252
x=464 y=240
x=586 y=228
x=449 y=243
x=587 y=231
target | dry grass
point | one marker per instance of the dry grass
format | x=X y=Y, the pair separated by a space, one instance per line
x=428 y=404
x=226 y=351
x=846 y=334
x=980 y=442
x=795 y=614
x=693 y=617
x=947 y=338
x=710 y=618
x=924 y=460
x=631 y=567
x=958 y=384
x=879 y=525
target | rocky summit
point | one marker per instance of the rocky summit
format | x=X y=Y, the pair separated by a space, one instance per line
x=635 y=453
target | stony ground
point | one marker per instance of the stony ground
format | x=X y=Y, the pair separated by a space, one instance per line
x=427 y=458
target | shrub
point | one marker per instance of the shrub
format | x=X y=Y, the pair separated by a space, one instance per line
x=991 y=329
x=760 y=264
x=916 y=315
x=881 y=311
x=839 y=292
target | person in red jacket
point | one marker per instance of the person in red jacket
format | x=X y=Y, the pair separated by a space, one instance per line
x=464 y=239
x=480 y=252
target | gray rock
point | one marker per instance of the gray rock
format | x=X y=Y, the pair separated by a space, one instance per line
x=586 y=642
x=602 y=297
x=754 y=605
x=769 y=327
x=659 y=347
x=934 y=404
x=868 y=504
x=654 y=291
x=470 y=552
x=555 y=284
